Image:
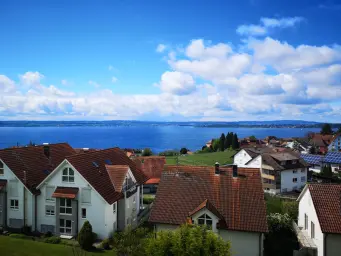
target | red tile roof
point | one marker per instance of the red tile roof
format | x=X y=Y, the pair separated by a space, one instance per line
x=65 y=192
x=152 y=166
x=207 y=204
x=326 y=199
x=239 y=200
x=153 y=181
x=98 y=176
x=34 y=162
x=117 y=174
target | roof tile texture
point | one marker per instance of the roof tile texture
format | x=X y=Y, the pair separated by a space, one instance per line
x=183 y=189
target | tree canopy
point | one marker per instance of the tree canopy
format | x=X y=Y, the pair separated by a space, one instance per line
x=147 y=152
x=183 y=151
x=327 y=171
x=228 y=140
x=235 y=142
x=222 y=142
x=326 y=129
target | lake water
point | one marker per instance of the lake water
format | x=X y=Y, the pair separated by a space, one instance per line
x=158 y=138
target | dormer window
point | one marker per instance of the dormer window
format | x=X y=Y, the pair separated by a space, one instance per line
x=68 y=175
x=205 y=220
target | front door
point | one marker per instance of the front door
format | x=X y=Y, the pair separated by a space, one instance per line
x=66 y=217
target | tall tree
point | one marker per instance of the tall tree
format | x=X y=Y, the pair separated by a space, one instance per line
x=326 y=129
x=222 y=142
x=215 y=144
x=235 y=143
x=147 y=152
x=327 y=171
x=227 y=143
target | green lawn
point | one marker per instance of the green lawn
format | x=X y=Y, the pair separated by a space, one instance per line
x=203 y=159
x=10 y=246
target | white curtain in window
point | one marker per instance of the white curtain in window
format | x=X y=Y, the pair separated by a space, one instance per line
x=86 y=195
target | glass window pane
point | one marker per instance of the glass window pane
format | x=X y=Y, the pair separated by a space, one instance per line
x=62 y=202
x=68 y=210
x=61 y=230
x=68 y=223
x=68 y=202
x=71 y=173
x=65 y=171
x=209 y=222
x=64 y=178
x=71 y=179
x=208 y=217
x=61 y=222
x=62 y=210
x=201 y=221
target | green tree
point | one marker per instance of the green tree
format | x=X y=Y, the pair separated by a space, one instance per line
x=253 y=137
x=281 y=239
x=327 y=171
x=183 y=151
x=215 y=145
x=85 y=236
x=147 y=152
x=228 y=141
x=222 y=142
x=326 y=129
x=188 y=240
x=235 y=143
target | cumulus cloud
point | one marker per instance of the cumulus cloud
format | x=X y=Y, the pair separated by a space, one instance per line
x=266 y=24
x=161 y=48
x=6 y=85
x=95 y=84
x=177 y=83
x=31 y=78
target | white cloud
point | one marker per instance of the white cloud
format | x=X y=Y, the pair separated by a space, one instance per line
x=197 y=50
x=114 y=79
x=65 y=82
x=266 y=24
x=6 y=85
x=95 y=84
x=161 y=48
x=177 y=83
x=31 y=78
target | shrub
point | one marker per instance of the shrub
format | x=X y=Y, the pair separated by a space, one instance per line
x=105 y=244
x=52 y=240
x=85 y=236
x=47 y=234
x=183 y=151
x=147 y=152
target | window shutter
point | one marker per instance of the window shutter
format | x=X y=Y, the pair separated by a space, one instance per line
x=86 y=195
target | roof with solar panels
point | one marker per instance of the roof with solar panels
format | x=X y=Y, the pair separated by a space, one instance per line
x=330 y=157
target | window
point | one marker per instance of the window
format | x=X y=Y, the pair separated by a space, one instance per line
x=86 y=195
x=114 y=208
x=65 y=206
x=205 y=220
x=48 y=193
x=49 y=210
x=303 y=179
x=294 y=171
x=14 y=204
x=305 y=221
x=302 y=170
x=13 y=188
x=65 y=226
x=1 y=168
x=294 y=180
x=312 y=230
x=83 y=213
x=68 y=175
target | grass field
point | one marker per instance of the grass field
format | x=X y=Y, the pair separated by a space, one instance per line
x=10 y=246
x=203 y=159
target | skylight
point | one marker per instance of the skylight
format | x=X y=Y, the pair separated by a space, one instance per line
x=95 y=164
x=107 y=161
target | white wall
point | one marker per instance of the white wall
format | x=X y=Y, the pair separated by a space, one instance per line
x=18 y=214
x=110 y=219
x=256 y=162
x=242 y=243
x=205 y=211
x=241 y=158
x=287 y=179
x=333 y=243
x=96 y=212
x=306 y=206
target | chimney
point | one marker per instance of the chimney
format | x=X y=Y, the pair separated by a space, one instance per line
x=216 y=170
x=85 y=149
x=234 y=171
x=46 y=150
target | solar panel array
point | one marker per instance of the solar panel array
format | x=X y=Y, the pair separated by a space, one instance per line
x=107 y=161
x=333 y=157
x=312 y=159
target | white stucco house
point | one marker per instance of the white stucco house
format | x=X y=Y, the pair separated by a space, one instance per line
x=319 y=217
x=102 y=187
x=21 y=170
x=218 y=197
x=281 y=171
x=51 y=188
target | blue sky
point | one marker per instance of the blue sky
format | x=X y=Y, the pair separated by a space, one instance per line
x=170 y=60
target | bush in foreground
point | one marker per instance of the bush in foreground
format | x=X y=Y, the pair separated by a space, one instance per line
x=85 y=236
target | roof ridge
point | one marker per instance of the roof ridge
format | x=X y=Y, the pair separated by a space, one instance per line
x=92 y=152
x=35 y=146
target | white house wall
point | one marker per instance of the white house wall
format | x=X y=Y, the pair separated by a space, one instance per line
x=13 y=214
x=243 y=243
x=95 y=211
x=256 y=162
x=306 y=206
x=287 y=176
x=241 y=158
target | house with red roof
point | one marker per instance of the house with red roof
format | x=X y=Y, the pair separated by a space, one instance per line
x=229 y=200
x=21 y=171
x=102 y=187
x=319 y=218
x=152 y=167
